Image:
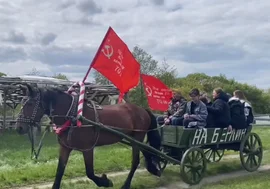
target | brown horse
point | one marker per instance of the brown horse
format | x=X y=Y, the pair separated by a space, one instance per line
x=60 y=106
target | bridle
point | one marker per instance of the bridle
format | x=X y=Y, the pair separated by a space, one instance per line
x=31 y=120
x=39 y=104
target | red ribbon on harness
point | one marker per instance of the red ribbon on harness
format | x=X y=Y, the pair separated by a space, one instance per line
x=63 y=128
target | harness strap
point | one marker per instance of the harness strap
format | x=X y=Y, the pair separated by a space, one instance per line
x=95 y=111
x=71 y=114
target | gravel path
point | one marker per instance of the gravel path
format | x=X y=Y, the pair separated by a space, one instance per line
x=178 y=185
x=215 y=179
x=74 y=180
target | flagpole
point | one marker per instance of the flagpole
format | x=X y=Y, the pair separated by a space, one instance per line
x=141 y=81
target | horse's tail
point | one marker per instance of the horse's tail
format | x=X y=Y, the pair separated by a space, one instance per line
x=154 y=140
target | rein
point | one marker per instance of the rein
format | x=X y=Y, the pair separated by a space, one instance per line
x=34 y=152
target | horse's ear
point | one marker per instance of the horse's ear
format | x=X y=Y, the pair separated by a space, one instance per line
x=28 y=89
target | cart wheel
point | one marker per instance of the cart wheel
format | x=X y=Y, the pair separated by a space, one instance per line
x=251 y=152
x=213 y=155
x=193 y=165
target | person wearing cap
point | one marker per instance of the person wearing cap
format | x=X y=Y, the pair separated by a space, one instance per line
x=174 y=114
x=196 y=112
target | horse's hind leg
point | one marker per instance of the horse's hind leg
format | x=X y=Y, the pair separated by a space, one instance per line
x=89 y=166
x=62 y=162
x=135 y=163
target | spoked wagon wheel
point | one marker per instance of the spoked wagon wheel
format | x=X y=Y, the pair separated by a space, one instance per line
x=251 y=152
x=193 y=165
x=213 y=155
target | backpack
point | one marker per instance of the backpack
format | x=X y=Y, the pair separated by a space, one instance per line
x=250 y=116
x=237 y=111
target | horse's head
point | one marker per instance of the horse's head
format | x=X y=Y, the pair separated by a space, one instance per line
x=33 y=109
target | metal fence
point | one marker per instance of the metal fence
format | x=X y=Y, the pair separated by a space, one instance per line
x=262 y=120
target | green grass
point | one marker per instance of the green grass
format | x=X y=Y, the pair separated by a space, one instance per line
x=259 y=181
x=16 y=167
x=170 y=175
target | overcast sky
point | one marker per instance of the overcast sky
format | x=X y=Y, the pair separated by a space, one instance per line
x=230 y=37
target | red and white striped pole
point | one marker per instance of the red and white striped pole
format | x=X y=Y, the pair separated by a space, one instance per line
x=80 y=103
x=81 y=97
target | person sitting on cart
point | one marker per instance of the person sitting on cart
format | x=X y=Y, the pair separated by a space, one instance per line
x=220 y=109
x=243 y=118
x=205 y=98
x=196 y=111
x=210 y=119
x=174 y=114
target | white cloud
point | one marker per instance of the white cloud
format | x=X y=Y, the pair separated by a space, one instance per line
x=23 y=67
x=225 y=36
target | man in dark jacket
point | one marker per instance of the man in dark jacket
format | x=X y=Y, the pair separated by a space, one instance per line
x=220 y=109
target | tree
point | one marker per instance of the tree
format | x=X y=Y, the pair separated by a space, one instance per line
x=60 y=76
x=259 y=99
x=2 y=74
x=167 y=74
x=34 y=71
x=148 y=64
x=100 y=79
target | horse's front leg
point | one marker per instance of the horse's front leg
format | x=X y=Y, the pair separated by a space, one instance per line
x=135 y=163
x=62 y=162
x=102 y=181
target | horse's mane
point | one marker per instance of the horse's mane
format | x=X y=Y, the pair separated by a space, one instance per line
x=50 y=93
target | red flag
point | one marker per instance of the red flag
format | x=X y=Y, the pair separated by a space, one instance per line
x=116 y=62
x=158 y=94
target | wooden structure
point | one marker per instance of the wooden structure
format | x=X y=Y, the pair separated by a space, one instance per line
x=11 y=95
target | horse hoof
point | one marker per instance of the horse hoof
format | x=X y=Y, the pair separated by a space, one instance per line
x=110 y=183
x=107 y=182
x=159 y=173
x=104 y=176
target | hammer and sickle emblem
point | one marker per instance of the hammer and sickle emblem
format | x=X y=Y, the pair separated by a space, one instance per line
x=107 y=51
x=148 y=90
